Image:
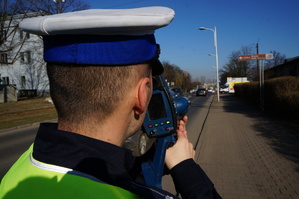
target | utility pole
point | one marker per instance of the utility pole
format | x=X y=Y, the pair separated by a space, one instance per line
x=257 y=61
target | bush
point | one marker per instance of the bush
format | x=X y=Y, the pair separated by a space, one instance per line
x=249 y=91
x=281 y=95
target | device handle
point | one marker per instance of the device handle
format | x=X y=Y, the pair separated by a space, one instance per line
x=153 y=170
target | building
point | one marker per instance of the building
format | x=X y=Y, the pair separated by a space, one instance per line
x=21 y=58
x=289 y=68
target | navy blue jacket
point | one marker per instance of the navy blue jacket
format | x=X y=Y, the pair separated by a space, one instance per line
x=115 y=165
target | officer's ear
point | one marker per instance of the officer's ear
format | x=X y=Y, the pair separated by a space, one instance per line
x=143 y=95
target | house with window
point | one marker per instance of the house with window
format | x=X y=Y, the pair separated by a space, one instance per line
x=21 y=58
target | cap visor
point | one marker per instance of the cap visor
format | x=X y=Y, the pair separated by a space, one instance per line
x=157 y=67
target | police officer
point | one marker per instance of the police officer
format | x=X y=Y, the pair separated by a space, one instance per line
x=100 y=65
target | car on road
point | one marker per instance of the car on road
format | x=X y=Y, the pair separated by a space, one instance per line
x=201 y=92
x=177 y=91
x=139 y=143
x=211 y=90
x=193 y=91
x=223 y=89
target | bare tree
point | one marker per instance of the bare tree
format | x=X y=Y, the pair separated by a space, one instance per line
x=186 y=83
x=56 y=6
x=8 y=30
x=14 y=11
x=236 y=68
x=14 y=42
x=173 y=73
x=278 y=59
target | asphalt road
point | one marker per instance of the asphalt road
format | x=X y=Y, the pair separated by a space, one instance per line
x=197 y=115
x=14 y=142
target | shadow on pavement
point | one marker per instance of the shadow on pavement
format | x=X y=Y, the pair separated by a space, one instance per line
x=283 y=139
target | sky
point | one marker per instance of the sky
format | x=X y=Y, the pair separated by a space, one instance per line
x=274 y=25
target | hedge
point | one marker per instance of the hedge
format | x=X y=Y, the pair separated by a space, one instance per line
x=281 y=95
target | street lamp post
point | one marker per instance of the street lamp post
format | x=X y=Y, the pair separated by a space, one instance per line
x=216 y=55
x=216 y=73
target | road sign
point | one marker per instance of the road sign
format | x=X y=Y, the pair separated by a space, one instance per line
x=255 y=57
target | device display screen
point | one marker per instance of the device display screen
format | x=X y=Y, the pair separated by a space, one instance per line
x=156 y=109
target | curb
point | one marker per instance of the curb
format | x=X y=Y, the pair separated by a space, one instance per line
x=26 y=125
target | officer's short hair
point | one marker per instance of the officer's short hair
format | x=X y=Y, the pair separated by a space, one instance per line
x=92 y=91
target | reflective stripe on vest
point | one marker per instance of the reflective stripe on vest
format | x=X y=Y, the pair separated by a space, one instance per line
x=29 y=178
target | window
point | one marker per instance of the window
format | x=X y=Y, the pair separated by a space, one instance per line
x=21 y=33
x=28 y=56
x=25 y=57
x=23 y=81
x=22 y=57
x=3 y=58
x=5 y=80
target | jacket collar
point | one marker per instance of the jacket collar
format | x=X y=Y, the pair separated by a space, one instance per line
x=105 y=161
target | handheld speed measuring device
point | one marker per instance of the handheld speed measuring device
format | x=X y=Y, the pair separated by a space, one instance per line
x=163 y=111
x=161 y=120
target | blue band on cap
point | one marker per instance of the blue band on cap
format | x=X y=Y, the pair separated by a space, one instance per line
x=100 y=50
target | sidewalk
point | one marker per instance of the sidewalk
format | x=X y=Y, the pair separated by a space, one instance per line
x=247 y=155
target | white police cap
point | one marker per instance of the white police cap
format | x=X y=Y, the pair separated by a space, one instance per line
x=102 y=36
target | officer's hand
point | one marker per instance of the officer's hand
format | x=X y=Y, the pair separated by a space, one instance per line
x=182 y=149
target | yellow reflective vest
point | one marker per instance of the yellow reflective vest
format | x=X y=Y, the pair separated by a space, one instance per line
x=31 y=179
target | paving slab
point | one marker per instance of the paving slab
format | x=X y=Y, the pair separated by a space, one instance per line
x=247 y=154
